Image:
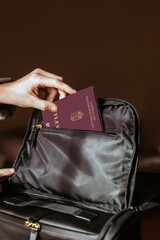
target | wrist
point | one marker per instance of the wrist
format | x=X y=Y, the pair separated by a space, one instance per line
x=4 y=82
x=6 y=108
x=4 y=95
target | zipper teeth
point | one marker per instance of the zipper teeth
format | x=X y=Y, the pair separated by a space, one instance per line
x=111 y=131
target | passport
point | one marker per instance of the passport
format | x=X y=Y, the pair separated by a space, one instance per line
x=77 y=111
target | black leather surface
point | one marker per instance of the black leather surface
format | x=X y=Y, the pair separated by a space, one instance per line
x=53 y=224
x=92 y=171
x=97 y=169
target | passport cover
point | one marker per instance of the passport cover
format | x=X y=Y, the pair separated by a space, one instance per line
x=76 y=111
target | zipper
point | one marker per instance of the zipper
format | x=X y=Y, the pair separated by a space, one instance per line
x=39 y=126
x=110 y=132
x=34 y=136
x=131 y=208
x=34 y=225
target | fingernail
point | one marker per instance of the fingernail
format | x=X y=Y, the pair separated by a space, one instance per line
x=11 y=170
x=74 y=90
x=54 y=109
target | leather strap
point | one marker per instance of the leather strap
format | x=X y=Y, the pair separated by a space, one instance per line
x=149 y=203
x=37 y=215
x=47 y=208
x=74 y=211
x=52 y=206
x=33 y=234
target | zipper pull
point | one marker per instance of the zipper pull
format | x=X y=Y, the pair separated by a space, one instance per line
x=38 y=126
x=34 y=136
x=35 y=225
x=131 y=208
x=35 y=228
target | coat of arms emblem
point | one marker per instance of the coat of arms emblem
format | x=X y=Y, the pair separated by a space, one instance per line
x=76 y=116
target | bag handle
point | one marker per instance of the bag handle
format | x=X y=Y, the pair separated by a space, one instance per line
x=150 y=202
x=115 y=223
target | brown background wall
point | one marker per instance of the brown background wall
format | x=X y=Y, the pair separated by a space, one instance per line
x=112 y=45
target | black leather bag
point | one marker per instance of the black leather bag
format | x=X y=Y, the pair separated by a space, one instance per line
x=75 y=184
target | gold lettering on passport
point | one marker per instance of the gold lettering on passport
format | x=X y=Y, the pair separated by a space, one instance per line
x=56 y=121
x=47 y=124
x=93 y=113
x=90 y=111
x=76 y=116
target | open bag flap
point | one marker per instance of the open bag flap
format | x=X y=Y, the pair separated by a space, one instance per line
x=96 y=169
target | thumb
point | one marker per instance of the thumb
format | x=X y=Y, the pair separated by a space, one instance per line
x=45 y=105
x=6 y=172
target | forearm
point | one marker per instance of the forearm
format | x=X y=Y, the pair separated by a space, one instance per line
x=4 y=94
x=5 y=109
x=24 y=92
x=3 y=90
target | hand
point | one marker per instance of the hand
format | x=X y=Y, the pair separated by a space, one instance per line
x=6 y=172
x=25 y=91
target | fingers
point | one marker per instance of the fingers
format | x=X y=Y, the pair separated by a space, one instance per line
x=51 y=94
x=45 y=105
x=6 y=172
x=62 y=94
x=47 y=74
x=43 y=82
x=45 y=79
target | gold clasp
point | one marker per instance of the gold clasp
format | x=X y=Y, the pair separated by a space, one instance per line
x=28 y=223
x=131 y=208
x=39 y=125
x=35 y=225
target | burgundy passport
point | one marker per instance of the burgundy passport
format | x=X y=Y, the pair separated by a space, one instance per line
x=76 y=111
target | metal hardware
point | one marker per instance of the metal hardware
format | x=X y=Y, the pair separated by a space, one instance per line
x=39 y=126
x=28 y=223
x=35 y=225
x=131 y=208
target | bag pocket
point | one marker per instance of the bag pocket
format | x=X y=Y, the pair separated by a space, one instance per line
x=83 y=165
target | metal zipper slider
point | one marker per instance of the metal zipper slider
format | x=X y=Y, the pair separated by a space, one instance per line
x=39 y=126
x=28 y=223
x=35 y=228
x=131 y=208
x=34 y=136
x=35 y=225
